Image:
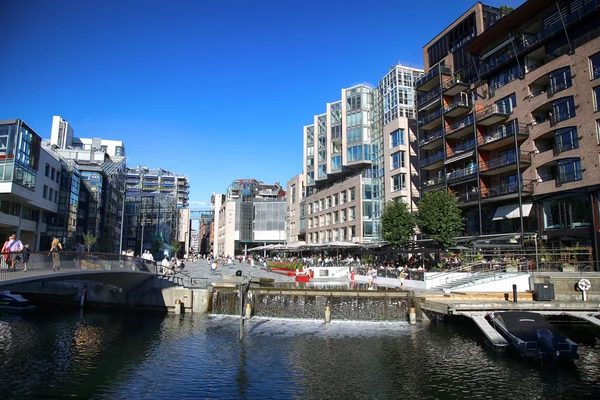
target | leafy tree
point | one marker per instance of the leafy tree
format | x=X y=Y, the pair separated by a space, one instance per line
x=397 y=224
x=439 y=218
x=176 y=247
x=505 y=10
x=89 y=239
x=156 y=246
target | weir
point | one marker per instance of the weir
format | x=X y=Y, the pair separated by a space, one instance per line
x=360 y=305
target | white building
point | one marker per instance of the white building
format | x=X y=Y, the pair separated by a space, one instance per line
x=62 y=136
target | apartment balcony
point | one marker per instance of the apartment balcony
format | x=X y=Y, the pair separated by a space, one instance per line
x=466 y=197
x=460 y=151
x=530 y=42
x=432 y=120
x=502 y=165
x=454 y=86
x=457 y=108
x=461 y=175
x=433 y=162
x=433 y=183
x=561 y=116
x=428 y=100
x=428 y=81
x=561 y=147
x=431 y=140
x=504 y=191
x=572 y=176
x=559 y=86
x=502 y=138
x=491 y=115
x=460 y=128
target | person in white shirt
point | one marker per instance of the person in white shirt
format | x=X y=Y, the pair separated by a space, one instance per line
x=165 y=266
x=14 y=245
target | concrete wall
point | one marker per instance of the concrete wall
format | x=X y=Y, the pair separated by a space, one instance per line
x=565 y=286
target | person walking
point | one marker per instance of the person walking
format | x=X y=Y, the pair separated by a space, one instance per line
x=55 y=249
x=14 y=246
x=214 y=266
x=26 y=255
x=78 y=258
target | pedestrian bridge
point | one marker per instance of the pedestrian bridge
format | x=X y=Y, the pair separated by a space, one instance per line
x=121 y=271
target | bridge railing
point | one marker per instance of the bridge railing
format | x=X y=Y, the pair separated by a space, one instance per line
x=21 y=264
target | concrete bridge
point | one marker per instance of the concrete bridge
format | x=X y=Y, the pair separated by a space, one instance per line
x=112 y=269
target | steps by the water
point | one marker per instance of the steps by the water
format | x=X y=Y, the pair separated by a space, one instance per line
x=476 y=279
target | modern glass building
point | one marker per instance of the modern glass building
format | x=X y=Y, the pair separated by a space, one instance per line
x=248 y=215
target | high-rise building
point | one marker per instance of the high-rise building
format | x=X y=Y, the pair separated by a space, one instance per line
x=143 y=180
x=508 y=120
x=249 y=214
x=357 y=155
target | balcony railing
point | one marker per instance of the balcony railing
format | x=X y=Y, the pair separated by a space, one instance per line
x=456 y=104
x=559 y=86
x=503 y=190
x=463 y=41
x=525 y=159
x=562 y=116
x=491 y=110
x=431 y=160
x=493 y=63
x=460 y=173
x=431 y=138
x=428 y=96
x=432 y=73
x=438 y=180
x=560 y=147
x=456 y=150
x=463 y=123
x=523 y=131
x=566 y=177
x=430 y=117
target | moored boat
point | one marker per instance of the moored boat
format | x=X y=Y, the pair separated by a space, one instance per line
x=14 y=302
x=533 y=336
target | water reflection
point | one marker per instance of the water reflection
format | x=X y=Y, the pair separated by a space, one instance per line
x=107 y=356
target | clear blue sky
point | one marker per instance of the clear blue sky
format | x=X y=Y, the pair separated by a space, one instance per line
x=215 y=90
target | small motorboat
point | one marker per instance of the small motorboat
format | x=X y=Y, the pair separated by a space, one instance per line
x=14 y=302
x=533 y=336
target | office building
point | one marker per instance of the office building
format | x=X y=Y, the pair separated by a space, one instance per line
x=146 y=181
x=250 y=214
x=508 y=120
x=295 y=210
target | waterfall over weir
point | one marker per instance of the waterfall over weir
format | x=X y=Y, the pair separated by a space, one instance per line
x=356 y=305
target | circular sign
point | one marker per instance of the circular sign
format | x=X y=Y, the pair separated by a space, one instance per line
x=584 y=285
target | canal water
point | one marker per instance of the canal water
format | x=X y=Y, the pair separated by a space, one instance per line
x=108 y=355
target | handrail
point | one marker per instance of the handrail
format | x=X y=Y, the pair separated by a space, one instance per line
x=432 y=159
x=431 y=138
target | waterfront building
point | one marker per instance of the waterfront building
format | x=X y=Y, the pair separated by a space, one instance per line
x=357 y=155
x=508 y=120
x=29 y=184
x=295 y=210
x=251 y=213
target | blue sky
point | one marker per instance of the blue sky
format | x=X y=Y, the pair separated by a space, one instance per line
x=215 y=90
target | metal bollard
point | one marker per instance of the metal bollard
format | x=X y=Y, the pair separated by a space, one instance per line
x=412 y=315
x=248 y=311
x=178 y=306
x=514 y=293
x=327 y=314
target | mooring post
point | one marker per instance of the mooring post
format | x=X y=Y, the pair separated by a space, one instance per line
x=515 y=293
x=412 y=315
x=327 y=314
x=241 y=311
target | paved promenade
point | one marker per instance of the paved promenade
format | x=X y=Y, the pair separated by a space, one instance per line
x=201 y=270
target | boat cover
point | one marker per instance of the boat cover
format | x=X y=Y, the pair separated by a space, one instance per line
x=525 y=325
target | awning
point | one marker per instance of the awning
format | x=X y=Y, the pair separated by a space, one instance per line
x=511 y=211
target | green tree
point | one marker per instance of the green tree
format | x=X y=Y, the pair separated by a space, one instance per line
x=156 y=246
x=439 y=218
x=176 y=247
x=397 y=224
x=505 y=10
x=89 y=239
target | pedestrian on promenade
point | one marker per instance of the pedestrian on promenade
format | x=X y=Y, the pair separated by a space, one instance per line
x=55 y=249
x=214 y=266
x=165 y=266
x=14 y=246
x=5 y=251
x=78 y=251
x=26 y=254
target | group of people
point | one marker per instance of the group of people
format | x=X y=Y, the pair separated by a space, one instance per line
x=171 y=265
x=14 y=250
